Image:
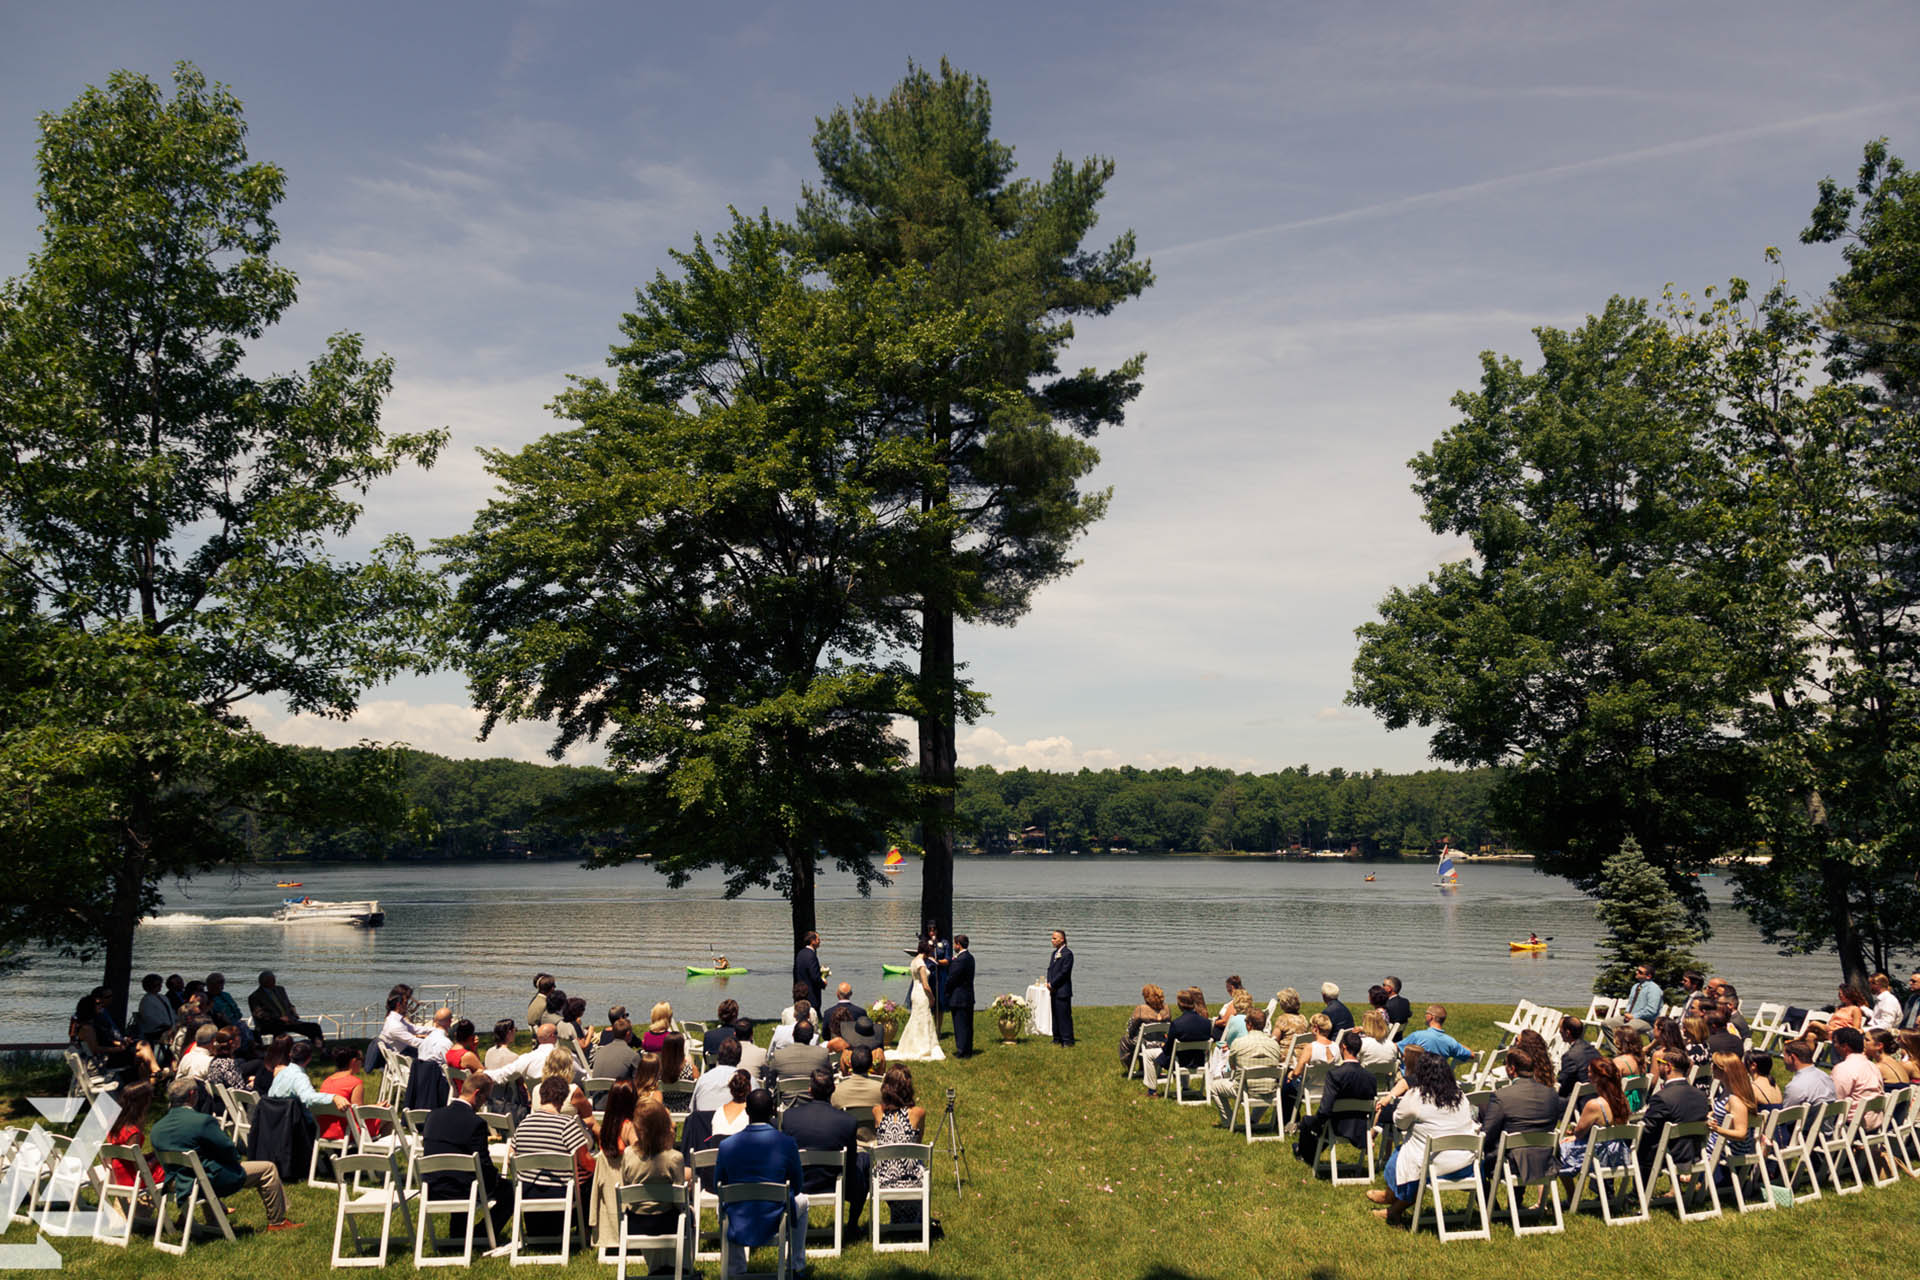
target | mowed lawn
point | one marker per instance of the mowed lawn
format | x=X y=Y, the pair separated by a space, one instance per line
x=1073 y=1172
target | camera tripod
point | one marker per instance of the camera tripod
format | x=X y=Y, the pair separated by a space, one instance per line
x=955 y=1147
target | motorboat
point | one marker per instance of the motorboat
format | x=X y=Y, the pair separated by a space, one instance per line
x=366 y=913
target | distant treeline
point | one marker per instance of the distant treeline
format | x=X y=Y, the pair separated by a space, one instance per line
x=473 y=809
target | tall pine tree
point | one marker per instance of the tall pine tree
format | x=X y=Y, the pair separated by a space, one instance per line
x=1646 y=923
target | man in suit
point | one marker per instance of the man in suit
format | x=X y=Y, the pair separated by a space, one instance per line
x=1397 y=1009
x=1578 y=1057
x=273 y=1012
x=761 y=1153
x=457 y=1129
x=1348 y=1079
x=800 y=1056
x=1337 y=1012
x=817 y=1125
x=858 y=1089
x=843 y=999
x=1188 y=1025
x=723 y=1029
x=806 y=969
x=614 y=1058
x=960 y=996
x=1674 y=1101
x=1060 y=989
x=184 y=1128
x=1522 y=1105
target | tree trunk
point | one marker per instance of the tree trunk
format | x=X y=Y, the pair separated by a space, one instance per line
x=1847 y=941
x=801 y=877
x=938 y=759
x=122 y=918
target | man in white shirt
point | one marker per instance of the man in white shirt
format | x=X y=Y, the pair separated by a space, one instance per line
x=802 y=1011
x=710 y=1091
x=434 y=1045
x=195 y=1061
x=752 y=1056
x=1885 y=1013
x=532 y=1064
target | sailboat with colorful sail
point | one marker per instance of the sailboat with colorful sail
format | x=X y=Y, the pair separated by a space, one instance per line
x=1445 y=874
x=893 y=860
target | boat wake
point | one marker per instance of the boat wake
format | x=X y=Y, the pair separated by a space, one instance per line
x=185 y=918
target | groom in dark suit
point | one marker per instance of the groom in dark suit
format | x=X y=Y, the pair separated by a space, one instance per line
x=960 y=996
x=1060 y=989
x=806 y=968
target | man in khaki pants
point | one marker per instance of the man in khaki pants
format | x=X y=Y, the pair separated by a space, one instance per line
x=185 y=1129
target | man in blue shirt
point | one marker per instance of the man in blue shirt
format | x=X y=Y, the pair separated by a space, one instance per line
x=1644 y=999
x=1434 y=1040
x=761 y=1153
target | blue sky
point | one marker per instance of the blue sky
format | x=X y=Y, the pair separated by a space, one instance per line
x=1344 y=205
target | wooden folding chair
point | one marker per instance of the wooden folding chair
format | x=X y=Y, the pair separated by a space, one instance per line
x=1254 y=1088
x=1680 y=1172
x=1151 y=1038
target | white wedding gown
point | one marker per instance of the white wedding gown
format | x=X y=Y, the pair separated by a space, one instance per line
x=919 y=1042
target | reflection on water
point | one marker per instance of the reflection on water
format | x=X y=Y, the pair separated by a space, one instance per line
x=622 y=936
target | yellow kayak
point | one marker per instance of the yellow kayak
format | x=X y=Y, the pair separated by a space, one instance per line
x=1526 y=946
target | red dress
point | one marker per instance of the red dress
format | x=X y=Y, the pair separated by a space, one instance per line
x=341 y=1085
x=124 y=1175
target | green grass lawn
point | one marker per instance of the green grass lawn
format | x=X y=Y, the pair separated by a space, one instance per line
x=1075 y=1173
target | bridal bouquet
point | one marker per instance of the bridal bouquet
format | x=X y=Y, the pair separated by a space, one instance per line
x=1013 y=1013
x=885 y=1013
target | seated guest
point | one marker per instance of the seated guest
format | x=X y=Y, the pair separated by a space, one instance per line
x=711 y=1090
x=457 y=1130
x=464 y=1052
x=1720 y=1037
x=1377 y=995
x=1728 y=999
x=858 y=1089
x=1190 y=1024
x=1286 y=1021
x=1337 y=1013
x=1760 y=1071
x=1432 y=1107
x=1807 y=1085
x=1434 y=1039
x=1397 y=1009
x=1152 y=1008
x=1882 y=1052
x=194 y=1062
x=1644 y=999
x=1731 y=1120
x=223 y=1068
x=1606 y=1108
x=553 y=1128
x=859 y=1032
x=1666 y=1035
x=753 y=1059
x=1350 y=1079
x=129 y=1130
x=802 y=994
x=1232 y=991
x=538 y=1010
x=843 y=1000
x=220 y=1002
x=1321 y=1048
x=1883 y=1014
x=817 y=1125
x=801 y=1010
x=155 y=1016
x=1629 y=1051
x=1850 y=1012
x=659 y=1027
x=615 y=1058
x=646 y=1074
x=531 y=1067
x=1855 y=1079
x=398 y=1037
x=728 y=1013
x=898 y=1118
x=176 y=991
x=760 y=1153
x=1524 y=1104
x=575 y=1032
x=346 y=1086
x=800 y=1056
x=184 y=1128
x=731 y=1116
x=274 y=1014
x=434 y=1044
x=1252 y=1049
x=1376 y=1041
x=290 y=1080
x=674 y=1063
x=1577 y=1058
x=614 y=1014
x=1231 y=1023
x=501 y=1051
x=1674 y=1101
x=640 y=1148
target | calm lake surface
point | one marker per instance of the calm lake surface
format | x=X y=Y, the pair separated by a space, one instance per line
x=622 y=936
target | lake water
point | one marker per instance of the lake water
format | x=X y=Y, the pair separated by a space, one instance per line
x=621 y=935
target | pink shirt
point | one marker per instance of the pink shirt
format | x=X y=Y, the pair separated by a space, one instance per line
x=1856 y=1080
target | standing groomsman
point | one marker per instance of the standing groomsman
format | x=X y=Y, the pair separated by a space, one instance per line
x=1060 y=989
x=806 y=968
x=960 y=996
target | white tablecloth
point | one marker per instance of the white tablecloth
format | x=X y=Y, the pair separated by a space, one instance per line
x=1042 y=1001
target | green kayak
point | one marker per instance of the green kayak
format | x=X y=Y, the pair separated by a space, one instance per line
x=698 y=971
x=893 y=969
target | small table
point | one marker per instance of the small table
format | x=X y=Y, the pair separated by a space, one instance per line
x=1041 y=998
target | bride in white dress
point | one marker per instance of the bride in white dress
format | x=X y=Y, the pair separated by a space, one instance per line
x=919 y=1042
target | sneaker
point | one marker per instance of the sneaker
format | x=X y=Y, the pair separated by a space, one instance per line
x=285 y=1224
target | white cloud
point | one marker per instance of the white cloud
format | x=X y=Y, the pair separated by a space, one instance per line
x=444 y=728
x=1058 y=754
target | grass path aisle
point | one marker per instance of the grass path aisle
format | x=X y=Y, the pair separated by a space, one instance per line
x=1077 y=1174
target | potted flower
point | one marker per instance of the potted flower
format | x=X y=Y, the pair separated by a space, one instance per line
x=1013 y=1014
x=887 y=1015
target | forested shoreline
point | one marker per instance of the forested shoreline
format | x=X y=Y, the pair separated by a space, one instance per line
x=470 y=810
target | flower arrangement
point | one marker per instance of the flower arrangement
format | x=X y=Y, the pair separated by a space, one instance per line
x=885 y=1013
x=1013 y=1014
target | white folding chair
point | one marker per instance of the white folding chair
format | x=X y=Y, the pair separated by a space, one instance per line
x=121 y=1206
x=526 y=1168
x=1189 y=1079
x=1312 y=1082
x=358 y=1201
x=672 y=1197
x=704 y=1159
x=325 y=1109
x=1838 y=1142
x=759 y=1193
x=1611 y=1182
x=200 y=1195
x=242 y=1105
x=1791 y=1139
x=1509 y=1178
x=1254 y=1088
x=835 y=1199
x=920 y=1153
x=1681 y=1172
x=1751 y=1164
x=1150 y=1039
x=1467 y=1179
x=1874 y=1136
x=430 y=1250
x=1327 y=1145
